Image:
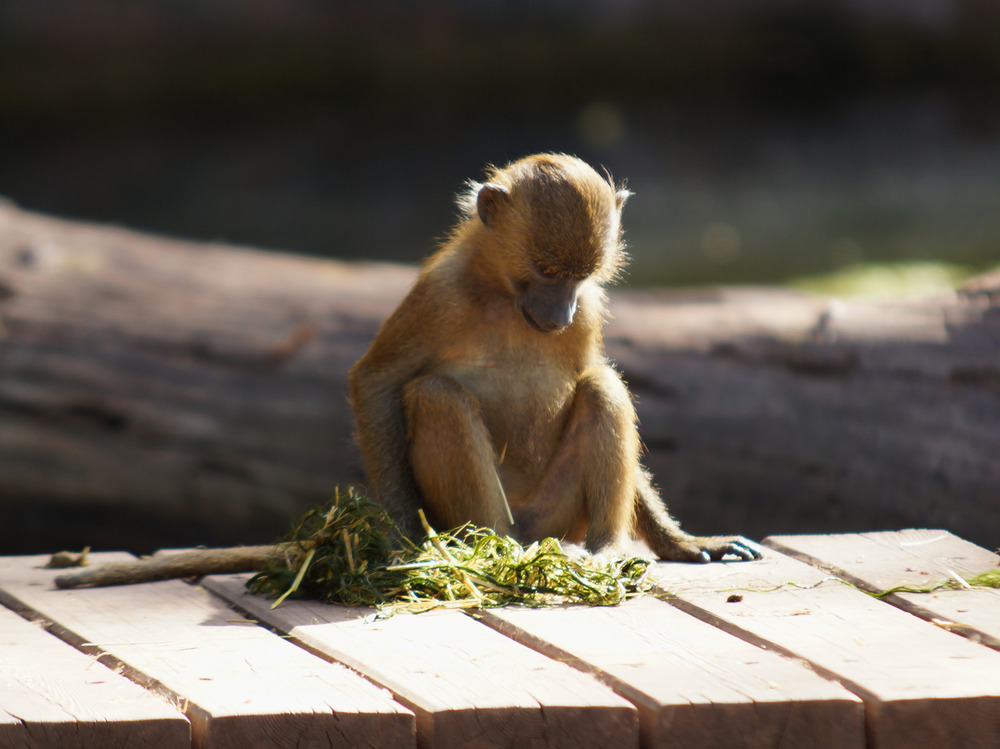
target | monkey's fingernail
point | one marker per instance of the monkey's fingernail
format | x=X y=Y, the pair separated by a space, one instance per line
x=704 y=557
x=746 y=552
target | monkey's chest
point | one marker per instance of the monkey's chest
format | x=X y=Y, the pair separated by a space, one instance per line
x=523 y=403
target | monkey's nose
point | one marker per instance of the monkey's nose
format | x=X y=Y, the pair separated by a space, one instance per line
x=549 y=319
x=550 y=306
x=562 y=315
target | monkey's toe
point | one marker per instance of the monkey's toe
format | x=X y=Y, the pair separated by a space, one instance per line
x=719 y=547
x=746 y=551
x=742 y=549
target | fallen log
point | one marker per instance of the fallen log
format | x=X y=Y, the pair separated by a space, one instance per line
x=157 y=393
x=172 y=393
x=764 y=410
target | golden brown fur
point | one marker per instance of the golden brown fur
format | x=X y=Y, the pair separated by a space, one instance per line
x=487 y=393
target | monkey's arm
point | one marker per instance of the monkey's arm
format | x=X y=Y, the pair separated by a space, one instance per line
x=193 y=563
x=381 y=429
x=376 y=383
x=666 y=538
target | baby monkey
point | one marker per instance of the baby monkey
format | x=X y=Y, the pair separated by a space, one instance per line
x=487 y=397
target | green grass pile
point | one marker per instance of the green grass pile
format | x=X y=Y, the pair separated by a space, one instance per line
x=351 y=553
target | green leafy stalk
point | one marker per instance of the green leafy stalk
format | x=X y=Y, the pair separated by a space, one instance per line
x=988 y=579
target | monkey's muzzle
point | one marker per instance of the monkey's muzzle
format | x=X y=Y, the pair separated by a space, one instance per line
x=549 y=306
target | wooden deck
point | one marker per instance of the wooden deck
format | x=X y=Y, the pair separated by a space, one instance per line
x=775 y=653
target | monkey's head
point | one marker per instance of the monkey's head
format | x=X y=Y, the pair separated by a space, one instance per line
x=552 y=226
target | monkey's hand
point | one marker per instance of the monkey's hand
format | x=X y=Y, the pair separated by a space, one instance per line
x=712 y=549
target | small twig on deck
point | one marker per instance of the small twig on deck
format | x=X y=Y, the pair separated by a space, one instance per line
x=192 y=563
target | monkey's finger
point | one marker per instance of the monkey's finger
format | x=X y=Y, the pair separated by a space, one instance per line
x=743 y=549
x=720 y=547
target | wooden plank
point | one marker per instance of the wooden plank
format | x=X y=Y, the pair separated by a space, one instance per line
x=239 y=684
x=879 y=561
x=922 y=686
x=469 y=685
x=694 y=685
x=53 y=696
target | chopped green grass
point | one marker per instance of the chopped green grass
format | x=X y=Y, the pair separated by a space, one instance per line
x=351 y=553
x=988 y=579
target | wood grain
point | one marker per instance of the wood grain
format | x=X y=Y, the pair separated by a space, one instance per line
x=197 y=390
x=916 y=557
x=694 y=685
x=468 y=685
x=239 y=685
x=922 y=686
x=55 y=697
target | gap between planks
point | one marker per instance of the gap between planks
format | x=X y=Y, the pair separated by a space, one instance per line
x=922 y=686
x=56 y=697
x=900 y=706
x=692 y=684
x=466 y=683
x=916 y=557
x=238 y=684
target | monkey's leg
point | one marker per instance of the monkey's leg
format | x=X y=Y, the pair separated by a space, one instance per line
x=452 y=456
x=665 y=537
x=591 y=476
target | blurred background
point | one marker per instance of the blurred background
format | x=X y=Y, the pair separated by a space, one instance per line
x=765 y=141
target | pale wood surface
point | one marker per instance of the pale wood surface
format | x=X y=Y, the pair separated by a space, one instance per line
x=55 y=697
x=529 y=678
x=468 y=685
x=879 y=561
x=922 y=686
x=695 y=686
x=240 y=685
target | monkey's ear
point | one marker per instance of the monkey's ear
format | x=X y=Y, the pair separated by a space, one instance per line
x=490 y=200
x=621 y=196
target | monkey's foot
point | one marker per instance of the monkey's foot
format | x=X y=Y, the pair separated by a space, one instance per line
x=706 y=549
x=714 y=548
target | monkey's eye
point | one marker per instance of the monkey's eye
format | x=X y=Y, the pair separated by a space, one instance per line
x=545 y=271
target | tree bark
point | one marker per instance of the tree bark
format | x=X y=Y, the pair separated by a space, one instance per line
x=769 y=412
x=156 y=393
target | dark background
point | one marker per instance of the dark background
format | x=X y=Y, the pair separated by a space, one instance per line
x=764 y=140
